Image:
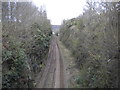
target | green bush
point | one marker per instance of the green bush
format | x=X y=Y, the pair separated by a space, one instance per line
x=25 y=43
x=92 y=39
x=15 y=58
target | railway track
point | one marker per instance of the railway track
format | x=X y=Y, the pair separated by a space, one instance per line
x=53 y=74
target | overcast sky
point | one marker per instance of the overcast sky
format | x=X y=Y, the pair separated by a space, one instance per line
x=57 y=10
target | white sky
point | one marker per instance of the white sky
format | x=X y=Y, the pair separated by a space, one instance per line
x=57 y=10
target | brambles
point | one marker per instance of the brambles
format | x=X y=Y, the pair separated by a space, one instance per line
x=92 y=38
x=14 y=60
x=26 y=39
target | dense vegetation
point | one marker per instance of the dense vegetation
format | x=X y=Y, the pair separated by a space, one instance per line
x=26 y=38
x=93 y=41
